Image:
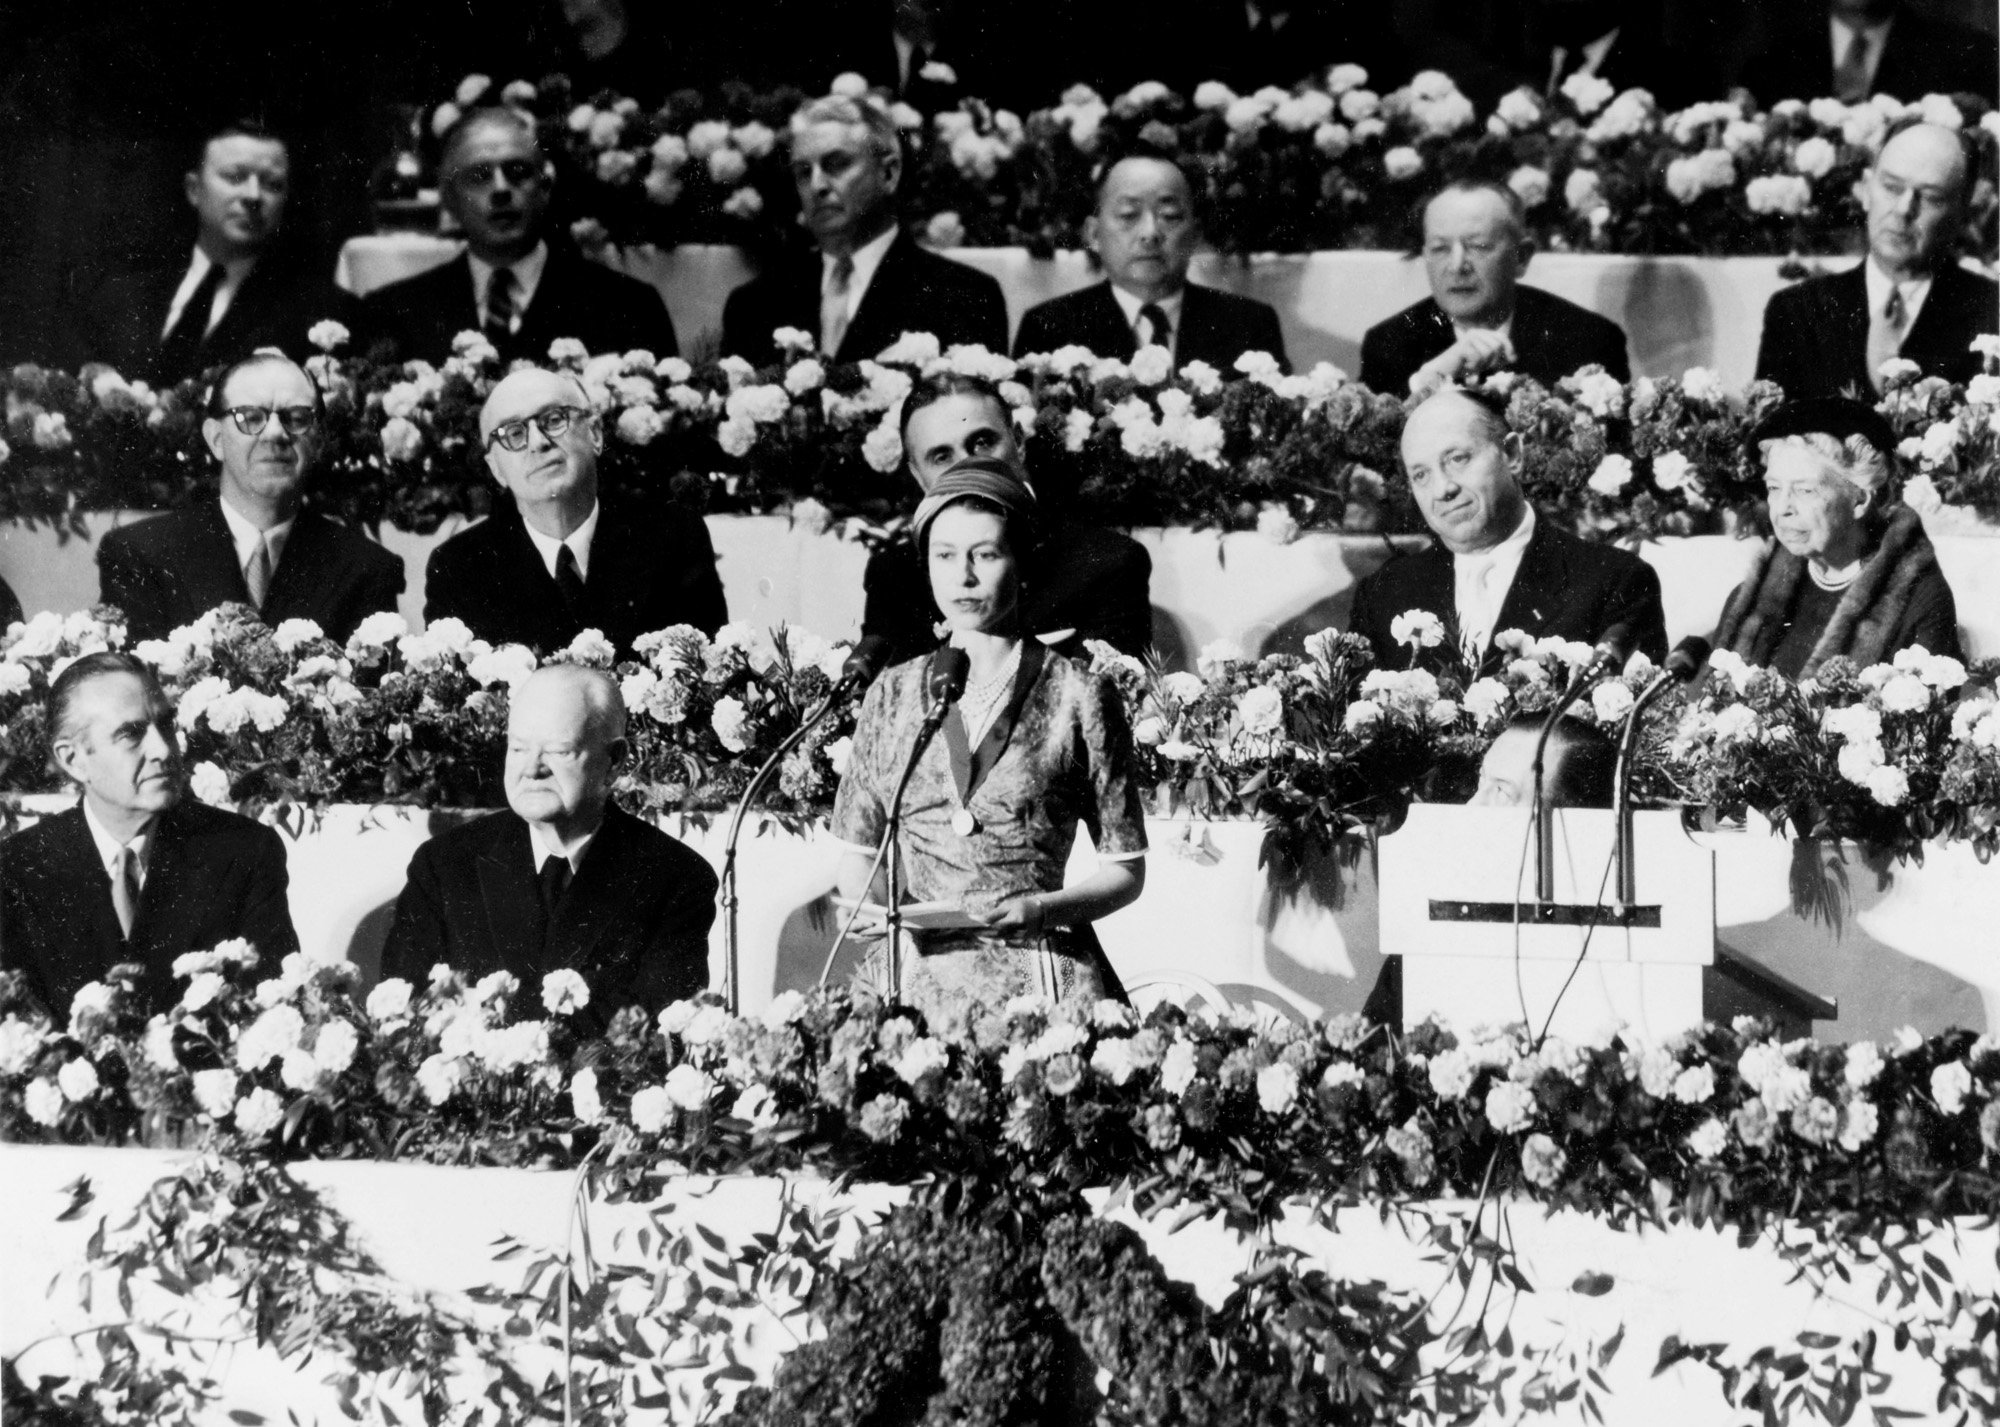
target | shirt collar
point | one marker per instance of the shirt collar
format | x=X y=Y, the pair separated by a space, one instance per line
x=108 y=846
x=1504 y=328
x=233 y=272
x=1130 y=304
x=579 y=542
x=527 y=277
x=866 y=259
x=1914 y=291
x=245 y=536
x=544 y=849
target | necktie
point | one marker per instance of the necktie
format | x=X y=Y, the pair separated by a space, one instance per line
x=569 y=579
x=500 y=305
x=833 y=306
x=125 y=889
x=180 y=349
x=1159 y=328
x=1850 y=75
x=555 y=879
x=1474 y=619
x=1885 y=335
x=257 y=573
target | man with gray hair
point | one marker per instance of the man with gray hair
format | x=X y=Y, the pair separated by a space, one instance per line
x=552 y=561
x=564 y=879
x=516 y=282
x=869 y=282
x=1480 y=316
x=1850 y=571
x=1909 y=298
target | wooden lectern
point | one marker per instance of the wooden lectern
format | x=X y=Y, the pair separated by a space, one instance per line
x=1458 y=905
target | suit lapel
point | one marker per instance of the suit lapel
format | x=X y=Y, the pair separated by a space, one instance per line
x=1847 y=352
x=1940 y=335
x=211 y=575
x=877 y=320
x=1111 y=334
x=163 y=897
x=303 y=575
x=91 y=884
x=512 y=901
x=1538 y=582
x=592 y=906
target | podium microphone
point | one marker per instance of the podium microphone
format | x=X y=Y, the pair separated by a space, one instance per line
x=945 y=683
x=1608 y=658
x=867 y=661
x=1684 y=665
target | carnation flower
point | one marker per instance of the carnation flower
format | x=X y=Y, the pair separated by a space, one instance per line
x=731 y=721
x=1950 y=1084
x=1418 y=628
x=1277 y=1088
x=1587 y=92
x=77 y=1080
x=651 y=1109
x=1611 y=701
x=564 y=992
x=1543 y=1161
x=1709 y=1139
x=688 y=1087
x=1262 y=711
x=1510 y=1107
x=1402 y=162
x=1694 y=1085
x=883 y=1117
x=259 y=1113
x=1612 y=475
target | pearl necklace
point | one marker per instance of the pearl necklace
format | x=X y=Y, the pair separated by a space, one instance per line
x=1838 y=583
x=981 y=703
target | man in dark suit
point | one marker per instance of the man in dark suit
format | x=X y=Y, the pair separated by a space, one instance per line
x=242 y=289
x=1497 y=564
x=1480 y=317
x=870 y=282
x=552 y=562
x=1852 y=49
x=135 y=872
x=564 y=879
x=254 y=546
x=1909 y=298
x=520 y=287
x=1088 y=583
x=1145 y=232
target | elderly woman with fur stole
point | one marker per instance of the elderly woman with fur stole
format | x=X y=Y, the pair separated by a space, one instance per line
x=1851 y=571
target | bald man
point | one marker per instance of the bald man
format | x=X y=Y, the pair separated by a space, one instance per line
x=1497 y=564
x=563 y=878
x=552 y=561
x=1909 y=298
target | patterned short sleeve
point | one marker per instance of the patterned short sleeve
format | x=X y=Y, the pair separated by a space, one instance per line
x=1116 y=811
x=861 y=807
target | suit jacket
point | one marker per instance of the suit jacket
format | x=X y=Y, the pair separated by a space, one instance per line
x=1815 y=340
x=1921 y=56
x=1087 y=579
x=1552 y=338
x=173 y=569
x=647 y=570
x=10 y=605
x=634 y=922
x=912 y=291
x=211 y=875
x=1564 y=586
x=604 y=310
x=1217 y=327
x=278 y=303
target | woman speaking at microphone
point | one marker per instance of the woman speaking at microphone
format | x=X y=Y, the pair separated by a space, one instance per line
x=1034 y=746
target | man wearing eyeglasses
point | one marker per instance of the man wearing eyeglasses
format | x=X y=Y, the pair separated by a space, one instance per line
x=254 y=545
x=1480 y=316
x=553 y=562
x=518 y=284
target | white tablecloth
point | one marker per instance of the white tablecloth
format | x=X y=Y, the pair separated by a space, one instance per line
x=1676 y=312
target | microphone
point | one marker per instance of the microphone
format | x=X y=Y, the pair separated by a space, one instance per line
x=1688 y=657
x=865 y=661
x=950 y=668
x=1614 y=648
x=1610 y=656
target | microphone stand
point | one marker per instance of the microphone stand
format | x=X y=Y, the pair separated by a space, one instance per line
x=1621 y=786
x=933 y=721
x=729 y=898
x=1545 y=832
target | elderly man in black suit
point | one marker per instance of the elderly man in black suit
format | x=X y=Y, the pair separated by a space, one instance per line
x=136 y=872
x=242 y=288
x=553 y=562
x=869 y=282
x=1090 y=583
x=563 y=879
x=1852 y=49
x=520 y=286
x=1480 y=316
x=1909 y=298
x=1497 y=564
x=253 y=546
x=1145 y=232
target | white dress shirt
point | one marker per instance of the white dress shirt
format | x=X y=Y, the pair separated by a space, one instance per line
x=108 y=847
x=1914 y=291
x=247 y=537
x=544 y=850
x=866 y=259
x=1130 y=305
x=1480 y=584
x=1874 y=39
x=1593 y=55
x=527 y=278
x=232 y=282
x=579 y=542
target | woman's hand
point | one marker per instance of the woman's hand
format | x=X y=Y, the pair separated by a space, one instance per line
x=1023 y=914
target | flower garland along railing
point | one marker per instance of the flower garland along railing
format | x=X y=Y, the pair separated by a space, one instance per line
x=1318 y=747
x=1327 y=164
x=1123 y=443
x=1009 y=1113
